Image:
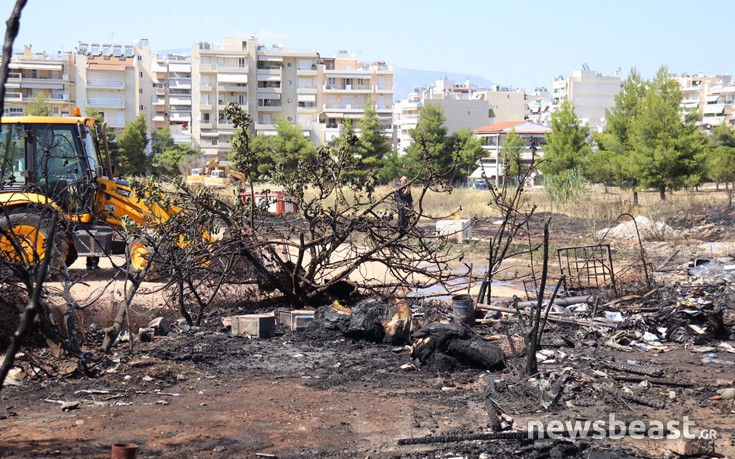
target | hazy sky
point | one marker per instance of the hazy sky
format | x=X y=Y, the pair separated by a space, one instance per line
x=514 y=42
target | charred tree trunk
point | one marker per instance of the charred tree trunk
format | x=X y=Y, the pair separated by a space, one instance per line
x=532 y=335
x=112 y=332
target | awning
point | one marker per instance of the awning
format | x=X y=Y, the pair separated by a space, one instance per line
x=270 y=58
x=351 y=116
x=269 y=95
x=232 y=77
x=269 y=78
x=26 y=66
x=711 y=98
x=179 y=67
x=307 y=97
x=714 y=108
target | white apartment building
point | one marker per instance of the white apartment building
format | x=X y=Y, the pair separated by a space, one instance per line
x=534 y=135
x=270 y=83
x=345 y=85
x=713 y=97
x=171 y=96
x=538 y=106
x=189 y=94
x=464 y=106
x=31 y=73
x=107 y=78
x=590 y=92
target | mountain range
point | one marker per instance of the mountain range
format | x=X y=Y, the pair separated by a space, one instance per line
x=405 y=80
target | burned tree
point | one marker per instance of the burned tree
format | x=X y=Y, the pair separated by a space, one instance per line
x=344 y=224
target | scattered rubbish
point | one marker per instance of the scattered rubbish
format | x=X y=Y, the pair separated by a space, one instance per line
x=615 y=316
x=713 y=272
x=160 y=326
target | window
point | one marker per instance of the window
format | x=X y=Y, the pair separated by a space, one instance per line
x=205 y=118
x=141 y=74
x=241 y=62
x=12 y=145
x=241 y=99
x=142 y=108
x=140 y=58
x=140 y=91
x=244 y=45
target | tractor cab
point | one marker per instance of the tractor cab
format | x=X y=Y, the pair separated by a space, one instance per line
x=53 y=157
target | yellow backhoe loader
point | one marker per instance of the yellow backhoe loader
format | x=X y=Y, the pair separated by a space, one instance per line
x=61 y=164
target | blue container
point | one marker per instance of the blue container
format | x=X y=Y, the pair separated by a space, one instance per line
x=463 y=309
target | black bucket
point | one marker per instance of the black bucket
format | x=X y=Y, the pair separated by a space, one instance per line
x=463 y=309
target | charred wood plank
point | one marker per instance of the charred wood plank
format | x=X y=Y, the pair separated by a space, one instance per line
x=638 y=370
x=659 y=381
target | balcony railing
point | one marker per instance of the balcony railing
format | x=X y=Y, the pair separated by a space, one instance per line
x=105 y=84
x=106 y=102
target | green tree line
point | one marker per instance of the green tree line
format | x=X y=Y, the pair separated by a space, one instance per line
x=647 y=143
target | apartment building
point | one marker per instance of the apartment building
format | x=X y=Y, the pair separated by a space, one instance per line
x=108 y=79
x=713 y=97
x=538 y=106
x=32 y=73
x=492 y=136
x=170 y=93
x=591 y=93
x=189 y=94
x=345 y=84
x=464 y=105
x=269 y=82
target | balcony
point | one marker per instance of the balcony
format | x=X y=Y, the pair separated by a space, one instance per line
x=116 y=121
x=353 y=88
x=205 y=87
x=106 y=84
x=269 y=108
x=277 y=71
x=205 y=125
x=232 y=69
x=231 y=87
x=306 y=72
x=184 y=117
x=160 y=92
x=14 y=96
x=103 y=103
x=208 y=68
x=184 y=83
x=206 y=106
x=160 y=108
x=179 y=100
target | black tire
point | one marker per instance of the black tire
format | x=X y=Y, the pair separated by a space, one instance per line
x=28 y=231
